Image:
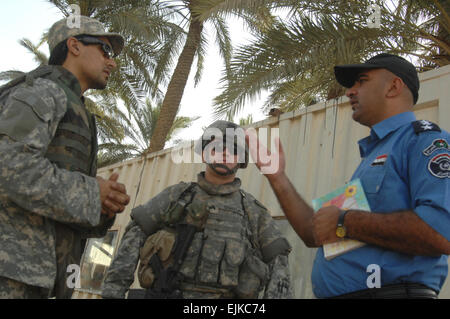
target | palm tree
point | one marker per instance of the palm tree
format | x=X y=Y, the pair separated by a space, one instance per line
x=38 y=56
x=114 y=125
x=155 y=36
x=295 y=60
x=196 y=13
x=138 y=130
x=147 y=33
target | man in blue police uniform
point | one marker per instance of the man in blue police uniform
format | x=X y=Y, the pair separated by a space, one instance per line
x=405 y=172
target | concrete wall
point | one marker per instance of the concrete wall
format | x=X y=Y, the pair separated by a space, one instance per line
x=322 y=153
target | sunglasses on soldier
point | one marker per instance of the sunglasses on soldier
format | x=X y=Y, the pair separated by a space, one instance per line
x=107 y=50
x=233 y=149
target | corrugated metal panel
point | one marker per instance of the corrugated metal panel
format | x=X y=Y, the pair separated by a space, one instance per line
x=321 y=150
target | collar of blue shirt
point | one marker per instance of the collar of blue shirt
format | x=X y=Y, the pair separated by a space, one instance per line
x=380 y=130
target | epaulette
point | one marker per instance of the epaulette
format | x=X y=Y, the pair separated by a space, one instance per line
x=424 y=126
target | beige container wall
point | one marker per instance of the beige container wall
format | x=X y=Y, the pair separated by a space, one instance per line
x=321 y=149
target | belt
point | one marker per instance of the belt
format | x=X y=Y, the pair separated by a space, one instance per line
x=395 y=291
x=222 y=292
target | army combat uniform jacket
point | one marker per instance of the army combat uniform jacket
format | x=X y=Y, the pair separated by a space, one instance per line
x=49 y=197
x=238 y=252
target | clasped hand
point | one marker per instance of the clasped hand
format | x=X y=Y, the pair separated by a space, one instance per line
x=113 y=195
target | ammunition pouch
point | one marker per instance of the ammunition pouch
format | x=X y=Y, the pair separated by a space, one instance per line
x=233 y=257
x=214 y=262
x=208 y=269
x=159 y=244
x=164 y=275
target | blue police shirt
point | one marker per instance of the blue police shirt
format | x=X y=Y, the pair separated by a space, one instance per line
x=401 y=169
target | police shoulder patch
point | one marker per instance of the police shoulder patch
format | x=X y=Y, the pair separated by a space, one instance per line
x=439 y=165
x=424 y=126
x=437 y=144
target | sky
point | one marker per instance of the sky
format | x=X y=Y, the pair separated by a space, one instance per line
x=30 y=18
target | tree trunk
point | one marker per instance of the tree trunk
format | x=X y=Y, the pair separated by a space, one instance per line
x=443 y=33
x=176 y=87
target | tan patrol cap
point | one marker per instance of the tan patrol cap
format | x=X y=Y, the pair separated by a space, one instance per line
x=66 y=28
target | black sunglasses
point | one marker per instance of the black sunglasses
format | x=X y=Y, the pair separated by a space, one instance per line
x=107 y=50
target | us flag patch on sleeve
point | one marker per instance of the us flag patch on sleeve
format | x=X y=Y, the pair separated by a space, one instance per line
x=380 y=160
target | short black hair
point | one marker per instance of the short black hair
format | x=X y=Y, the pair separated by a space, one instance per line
x=59 y=54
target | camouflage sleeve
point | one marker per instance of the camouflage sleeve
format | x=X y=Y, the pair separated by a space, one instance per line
x=97 y=231
x=279 y=285
x=120 y=274
x=28 y=121
x=271 y=241
x=155 y=213
x=275 y=250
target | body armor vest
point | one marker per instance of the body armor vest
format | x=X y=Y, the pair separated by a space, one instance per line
x=222 y=258
x=74 y=146
x=217 y=252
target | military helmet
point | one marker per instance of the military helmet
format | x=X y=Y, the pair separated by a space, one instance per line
x=63 y=29
x=230 y=133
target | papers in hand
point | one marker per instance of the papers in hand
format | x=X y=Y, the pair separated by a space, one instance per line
x=349 y=196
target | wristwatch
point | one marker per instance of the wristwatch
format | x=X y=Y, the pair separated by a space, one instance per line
x=341 y=231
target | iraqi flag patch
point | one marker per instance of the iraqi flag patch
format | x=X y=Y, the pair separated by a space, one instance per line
x=380 y=160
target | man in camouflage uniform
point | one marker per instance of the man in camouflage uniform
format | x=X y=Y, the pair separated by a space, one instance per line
x=236 y=249
x=50 y=199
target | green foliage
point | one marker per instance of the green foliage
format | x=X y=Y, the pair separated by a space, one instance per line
x=115 y=125
x=295 y=58
x=138 y=127
x=246 y=120
x=143 y=64
x=193 y=15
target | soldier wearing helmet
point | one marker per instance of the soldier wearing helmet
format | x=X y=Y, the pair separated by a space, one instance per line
x=50 y=198
x=219 y=136
x=205 y=239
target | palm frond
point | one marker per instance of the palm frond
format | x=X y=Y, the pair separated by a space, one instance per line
x=10 y=75
x=294 y=60
x=38 y=56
